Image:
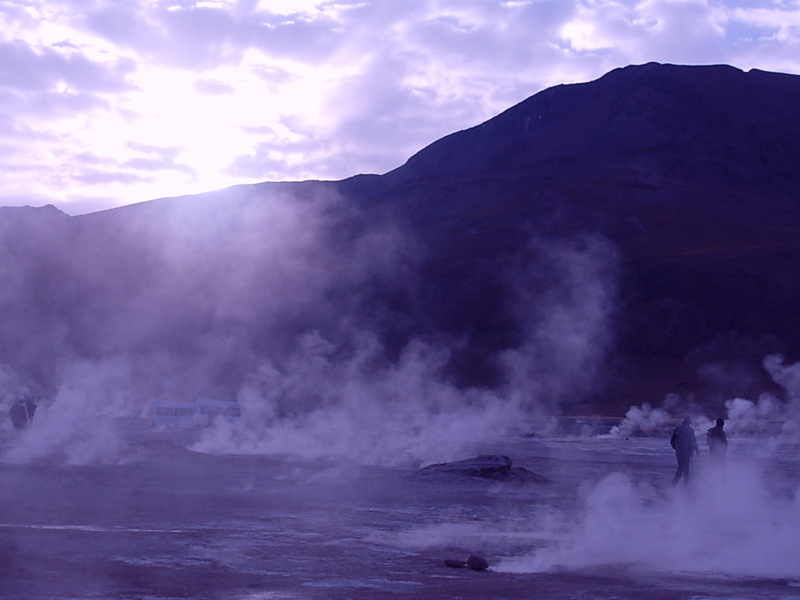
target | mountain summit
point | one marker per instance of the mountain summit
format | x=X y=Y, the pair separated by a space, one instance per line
x=596 y=245
x=708 y=112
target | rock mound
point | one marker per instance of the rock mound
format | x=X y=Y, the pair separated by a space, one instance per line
x=487 y=466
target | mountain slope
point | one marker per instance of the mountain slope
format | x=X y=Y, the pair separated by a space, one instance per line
x=690 y=171
x=597 y=245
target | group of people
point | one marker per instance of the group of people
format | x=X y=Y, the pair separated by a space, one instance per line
x=685 y=445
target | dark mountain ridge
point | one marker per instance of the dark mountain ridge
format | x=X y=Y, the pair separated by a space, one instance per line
x=707 y=110
x=675 y=187
x=691 y=171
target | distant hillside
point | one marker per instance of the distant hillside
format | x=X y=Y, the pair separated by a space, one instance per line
x=690 y=171
x=598 y=245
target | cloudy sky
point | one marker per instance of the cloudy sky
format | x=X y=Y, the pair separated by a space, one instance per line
x=108 y=102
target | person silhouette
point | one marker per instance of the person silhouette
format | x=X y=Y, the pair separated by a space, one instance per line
x=717 y=441
x=21 y=412
x=685 y=445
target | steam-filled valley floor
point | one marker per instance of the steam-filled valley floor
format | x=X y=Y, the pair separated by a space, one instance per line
x=581 y=515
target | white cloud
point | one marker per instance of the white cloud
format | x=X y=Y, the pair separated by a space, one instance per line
x=316 y=89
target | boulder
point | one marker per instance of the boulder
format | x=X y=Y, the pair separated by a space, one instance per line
x=487 y=466
x=477 y=563
x=458 y=564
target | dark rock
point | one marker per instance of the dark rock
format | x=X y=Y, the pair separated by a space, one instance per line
x=487 y=466
x=477 y=563
x=491 y=466
x=458 y=564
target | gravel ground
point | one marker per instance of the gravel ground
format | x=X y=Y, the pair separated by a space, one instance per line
x=172 y=523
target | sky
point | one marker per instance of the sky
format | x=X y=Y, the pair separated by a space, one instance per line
x=111 y=102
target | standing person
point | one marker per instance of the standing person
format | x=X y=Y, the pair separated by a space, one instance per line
x=685 y=445
x=717 y=441
x=22 y=412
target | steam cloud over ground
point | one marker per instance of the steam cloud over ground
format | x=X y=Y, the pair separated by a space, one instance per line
x=306 y=312
x=731 y=522
x=316 y=332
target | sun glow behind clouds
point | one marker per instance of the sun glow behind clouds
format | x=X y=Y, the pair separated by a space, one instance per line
x=164 y=107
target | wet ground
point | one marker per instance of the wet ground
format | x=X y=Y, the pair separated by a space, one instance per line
x=173 y=523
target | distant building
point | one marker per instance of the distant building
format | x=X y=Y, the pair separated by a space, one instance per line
x=200 y=413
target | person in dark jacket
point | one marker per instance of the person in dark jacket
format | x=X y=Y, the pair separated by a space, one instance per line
x=685 y=446
x=22 y=412
x=717 y=441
